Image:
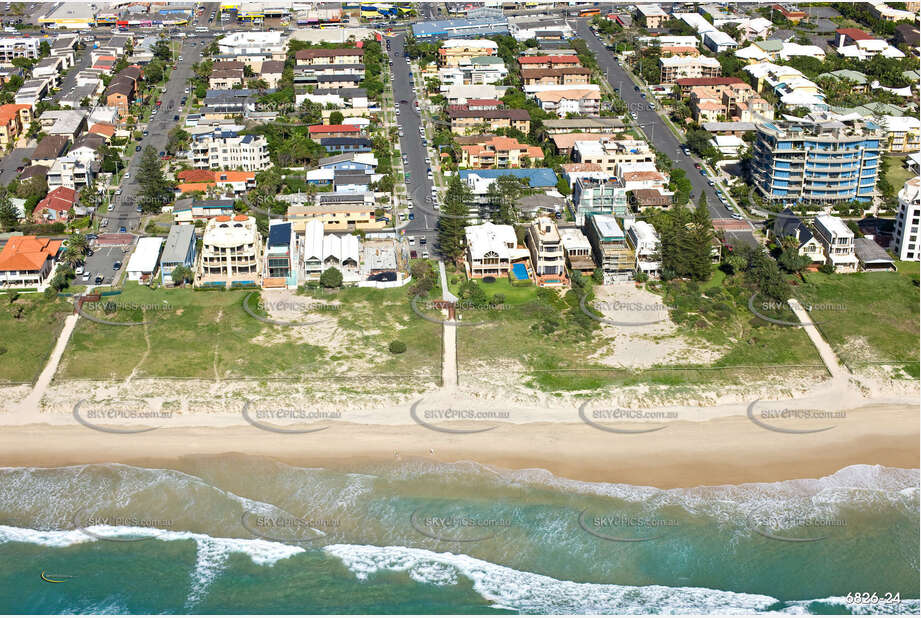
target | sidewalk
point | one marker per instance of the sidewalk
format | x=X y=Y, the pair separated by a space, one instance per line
x=837 y=371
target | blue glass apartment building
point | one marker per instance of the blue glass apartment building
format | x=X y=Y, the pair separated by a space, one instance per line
x=817 y=161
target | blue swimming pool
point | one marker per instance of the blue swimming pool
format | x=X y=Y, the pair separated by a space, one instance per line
x=520 y=271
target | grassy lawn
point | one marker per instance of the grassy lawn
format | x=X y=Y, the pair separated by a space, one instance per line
x=207 y=334
x=868 y=317
x=895 y=172
x=714 y=313
x=29 y=327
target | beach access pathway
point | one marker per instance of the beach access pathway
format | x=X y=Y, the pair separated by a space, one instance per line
x=837 y=371
x=30 y=405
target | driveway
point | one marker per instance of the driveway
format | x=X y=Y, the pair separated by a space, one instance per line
x=11 y=161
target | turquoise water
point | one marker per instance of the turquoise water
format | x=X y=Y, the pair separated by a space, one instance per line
x=247 y=535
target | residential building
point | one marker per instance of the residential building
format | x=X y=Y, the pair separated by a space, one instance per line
x=481 y=70
x=454 y=52
x=220 y=149
x=500 y=152
x=55 y=207
x=491 y=250
x=611 y=251
x=346 y=144
x=642 y=175
x=673 y=68
x=359 y=161
x=718 y=41
x=49 y=148
x=322 y=251
x=644 y=241
x=280 y=270
x=651 y=15
x=857 y=44
x=225 y=79
x=688 y=83
x=231 y=253
x=143 y=262
x=564 y=102
x=591 y=196
x=339 y=55
x=549 y=62
x=179 y=250
x=319 y=131
x=907 y=228
x=14 y=119
x=547 y=257
x=610 y=153
x=339 y=212
x=838 y=241
x=18 y=47
x=235 y=182
x=788 y=225
x=457 y=28
x=255 y=46
x=817 y=161
x=459 y=95
x=464 y=122
x=577 y=250
x=27 y=261
x=555 y=126
x=188 y=210
x=903 y=133
x=71 y=172
x=564 y=142
x=555 y=77
x=67 y=122
x=270 y=72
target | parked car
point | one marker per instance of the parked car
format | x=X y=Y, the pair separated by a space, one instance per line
x=116 y=265
x=122 y=229
x=137 y=149
x=85 y=277
x=98 y=280
x=78 y=270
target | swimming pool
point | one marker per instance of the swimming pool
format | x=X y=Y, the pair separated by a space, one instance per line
x=520 y=271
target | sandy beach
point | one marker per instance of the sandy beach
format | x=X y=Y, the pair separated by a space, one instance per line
x=683 y=453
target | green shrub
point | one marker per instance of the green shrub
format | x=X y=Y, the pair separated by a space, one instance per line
x=397 y=347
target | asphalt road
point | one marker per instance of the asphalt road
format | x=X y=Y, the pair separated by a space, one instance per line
x=653 y=125
x=101 y=263
x=125 y=214
x=409 y=120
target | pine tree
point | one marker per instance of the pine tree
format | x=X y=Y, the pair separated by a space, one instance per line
x=8 y=215
x=453 y=219
x=155 y=190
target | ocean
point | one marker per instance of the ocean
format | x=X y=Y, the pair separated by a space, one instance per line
x=238 y=534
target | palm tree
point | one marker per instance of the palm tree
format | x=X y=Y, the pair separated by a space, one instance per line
x=78 y=242
x=72 y=256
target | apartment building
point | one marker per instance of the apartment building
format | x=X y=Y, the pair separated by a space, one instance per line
x=903 y=133
x=225 y=79
x=838 y=241
x=339 y=55
x=18 y=47
x=339 y=212
x=27 y=261
x=555 y=77
x=549 y=62
x=673 y=68
x=257 y=47
x=609 y=243
x=907 y=221
x=651 y=15
x=577 y=250
x=564 y=102
x=231 y=253
x=591 y=196
x=817 y=161
x=230 y=150
x=14 y=119
x=70 y=172
x=610 y=153
x=322 y=251
x=482 y=70
x=644 y=241
x=464 y=122
x=178 y=250
x=499 y=152
x=547 y=257
x=730 y=102
x=454 y=52
x=280 y=269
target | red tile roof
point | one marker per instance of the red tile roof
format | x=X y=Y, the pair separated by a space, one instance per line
x=333 y=128
x=61 y=199
x=855 y=34
x=685 y=82
x=27 y=252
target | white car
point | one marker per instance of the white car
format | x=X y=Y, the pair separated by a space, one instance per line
x=85 y=277
x=412 y=240
x=127 y=175
x=78 y=270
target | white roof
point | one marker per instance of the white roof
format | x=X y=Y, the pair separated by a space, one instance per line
x=834 y=225
x=644 y=232
x=719 y=37
x=230 y=233
x=651 y=10
x=911 y=191
x=313 y=240
x=145 y=256
x=589 y=148
x=320 y=174
x=757 y=24
x=795 y=49
x=343 y=248
x=573 y=238
x=728 y=141
x=680 y=61
x=901 y=123
x=607 y=225
x=490 y=238
x=471 y=43
x=752 y=52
